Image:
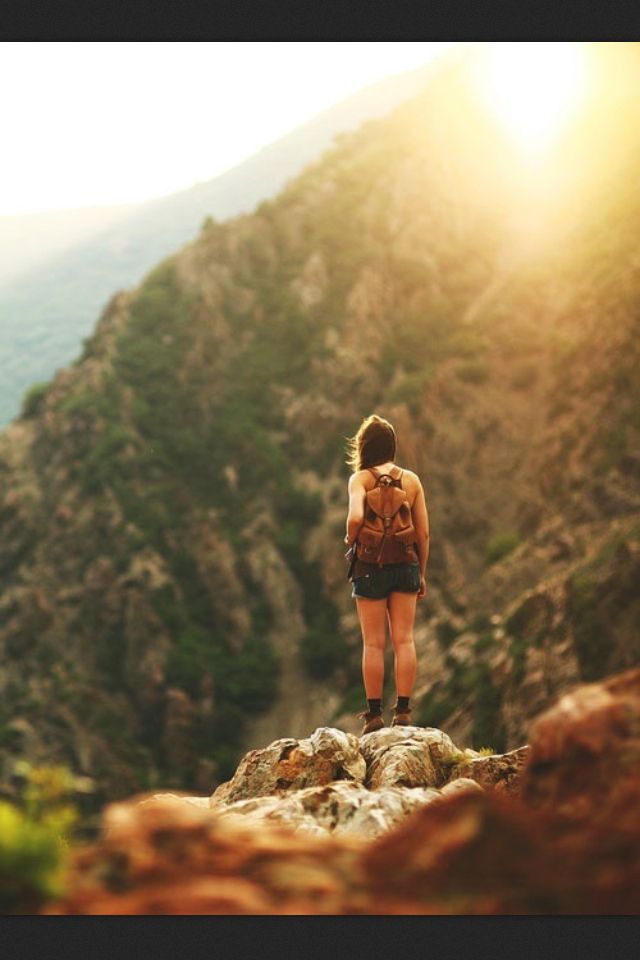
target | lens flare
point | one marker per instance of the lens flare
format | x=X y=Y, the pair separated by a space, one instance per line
x=533 y=87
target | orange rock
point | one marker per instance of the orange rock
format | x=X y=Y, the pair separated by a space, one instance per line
x=501 y=772
x=586 y=748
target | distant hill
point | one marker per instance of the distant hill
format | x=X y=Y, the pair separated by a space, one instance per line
x=46 y=312
x=29 y=240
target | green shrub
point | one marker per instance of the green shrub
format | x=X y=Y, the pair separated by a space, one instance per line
x=517 y=621
x=518 y=654
x=353 y=699
x=446 y=634
x=299 y=506
x=591 y=637
x=323 y=648
x=190 y=658
x=472 y=371
x=410 y=389
x=434 y=708
x=487 y=717
x=33 y=399
x=30 y=862
x=83 y=403
x=35 y=837
x=486 y=641
x=248 y=680
x=501 y=546
x=453 y=760
x=101 y=466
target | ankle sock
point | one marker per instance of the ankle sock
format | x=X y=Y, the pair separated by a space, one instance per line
x=375 y=707
x=403 y=704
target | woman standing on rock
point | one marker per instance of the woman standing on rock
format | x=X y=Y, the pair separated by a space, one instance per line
x=388 y=536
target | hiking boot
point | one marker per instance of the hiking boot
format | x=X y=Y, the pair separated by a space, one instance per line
x=372 y=721
x=402 y=718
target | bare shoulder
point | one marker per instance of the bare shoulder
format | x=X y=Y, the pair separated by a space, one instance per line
x=357 y=479
x=411 y=479
x=413 y=486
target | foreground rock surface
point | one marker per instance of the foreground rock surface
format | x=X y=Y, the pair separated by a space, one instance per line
x=585 y=750
x=569 y=844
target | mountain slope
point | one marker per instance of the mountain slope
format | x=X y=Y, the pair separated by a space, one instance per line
x=45 y=313
x=173 y=505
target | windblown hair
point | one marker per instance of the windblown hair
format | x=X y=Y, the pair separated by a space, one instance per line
x=374 y=443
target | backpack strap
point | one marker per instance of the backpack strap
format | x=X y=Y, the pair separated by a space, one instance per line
x=397 y=481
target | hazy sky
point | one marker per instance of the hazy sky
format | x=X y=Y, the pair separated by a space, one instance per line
x=99 y=123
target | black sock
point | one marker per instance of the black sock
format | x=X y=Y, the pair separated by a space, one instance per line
x=403 y=704
x=375 y=707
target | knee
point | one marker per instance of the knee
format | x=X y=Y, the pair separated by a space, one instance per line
x=402 y=639
x=376 y=644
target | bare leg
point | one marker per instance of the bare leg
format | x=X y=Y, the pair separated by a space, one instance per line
x=402 y=611
x=373 y=623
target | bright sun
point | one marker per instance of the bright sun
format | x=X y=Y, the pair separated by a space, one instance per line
x=533 y=87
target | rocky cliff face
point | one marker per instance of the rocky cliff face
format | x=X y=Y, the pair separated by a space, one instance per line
x=396 y=822
x=172 y=505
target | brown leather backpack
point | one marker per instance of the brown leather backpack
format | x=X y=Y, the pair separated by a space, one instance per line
x=387 y=534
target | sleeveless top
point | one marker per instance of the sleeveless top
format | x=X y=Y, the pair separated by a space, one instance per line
x=360 y=567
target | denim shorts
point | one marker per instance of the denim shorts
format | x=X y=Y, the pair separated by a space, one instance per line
x=404 y=577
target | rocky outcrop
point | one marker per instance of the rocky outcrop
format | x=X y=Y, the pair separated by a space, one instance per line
x=393 y=756
x=335 y=783
x=501 y=771
x=290 y=764
x=404 y=756
x=570 y=844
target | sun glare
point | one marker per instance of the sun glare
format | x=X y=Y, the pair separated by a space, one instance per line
x=533 y=87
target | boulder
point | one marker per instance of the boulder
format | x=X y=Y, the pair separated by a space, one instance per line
x=470 y=853
x=499 y=771
x=585 y=750
x=461 y=785
x=288 y=765
x=408 y=757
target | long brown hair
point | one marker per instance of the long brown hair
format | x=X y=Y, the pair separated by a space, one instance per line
x=373 y=443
